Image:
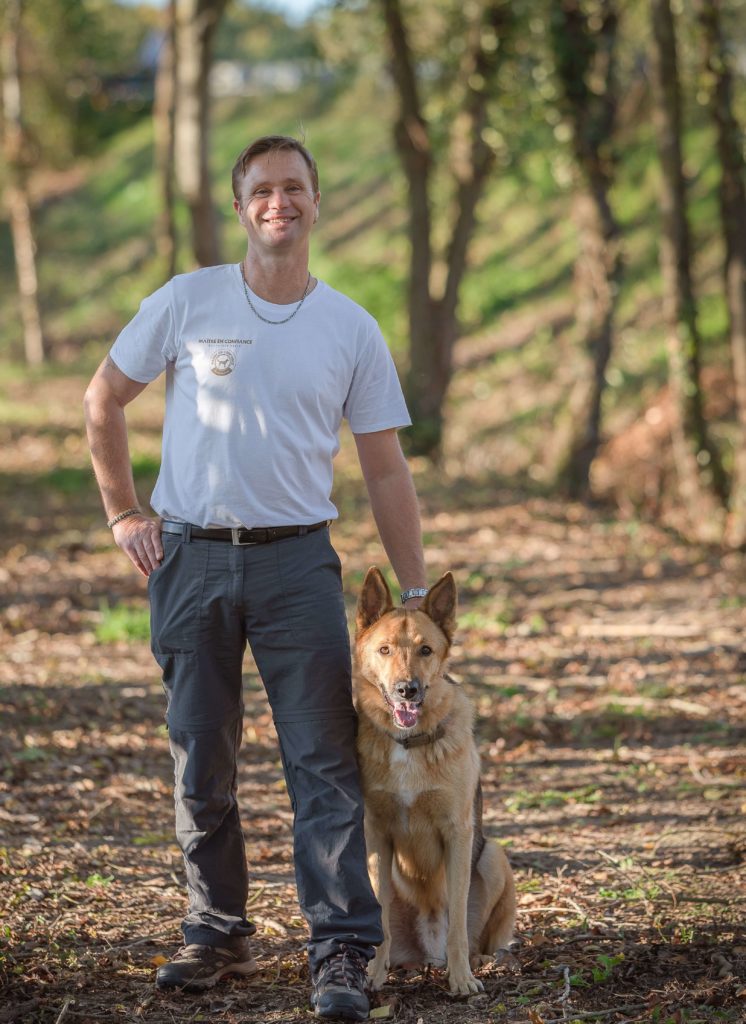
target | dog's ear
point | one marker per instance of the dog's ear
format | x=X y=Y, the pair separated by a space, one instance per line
x=375 y=599
x=440 y=604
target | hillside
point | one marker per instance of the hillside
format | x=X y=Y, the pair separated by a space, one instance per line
x=516 y=362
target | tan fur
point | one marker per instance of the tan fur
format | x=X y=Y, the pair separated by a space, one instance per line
x=420 y=815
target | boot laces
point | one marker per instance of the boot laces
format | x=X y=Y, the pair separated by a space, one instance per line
x=348 y=968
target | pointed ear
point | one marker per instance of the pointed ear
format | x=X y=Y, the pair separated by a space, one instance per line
x=440 y=604
x=375 y=599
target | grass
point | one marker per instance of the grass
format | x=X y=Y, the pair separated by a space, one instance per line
x=122 y=623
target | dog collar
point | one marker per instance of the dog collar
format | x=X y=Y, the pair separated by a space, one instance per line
x=420 y=739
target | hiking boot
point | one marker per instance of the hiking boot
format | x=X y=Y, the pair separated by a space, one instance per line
x=339 y=986
x=195 y=967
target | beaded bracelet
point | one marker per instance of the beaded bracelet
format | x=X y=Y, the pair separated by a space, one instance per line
x=123 y=515
x=413 y=592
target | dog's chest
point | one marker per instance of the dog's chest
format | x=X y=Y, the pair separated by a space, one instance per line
x=405 y=789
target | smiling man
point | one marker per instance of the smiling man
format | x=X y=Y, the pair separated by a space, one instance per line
x=262 y=362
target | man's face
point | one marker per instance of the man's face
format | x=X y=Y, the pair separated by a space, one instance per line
x=278 y=206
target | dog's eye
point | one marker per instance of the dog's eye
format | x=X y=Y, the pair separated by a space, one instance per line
x=385 y=649
x=425 y=650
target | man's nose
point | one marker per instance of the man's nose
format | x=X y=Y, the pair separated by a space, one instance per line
x=278 y=198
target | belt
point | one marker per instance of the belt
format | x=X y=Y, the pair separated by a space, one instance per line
x=241 y=535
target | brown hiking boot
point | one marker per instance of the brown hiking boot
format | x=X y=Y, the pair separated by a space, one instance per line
x=195 y=967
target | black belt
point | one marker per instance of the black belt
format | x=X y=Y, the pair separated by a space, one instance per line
x=239 y=535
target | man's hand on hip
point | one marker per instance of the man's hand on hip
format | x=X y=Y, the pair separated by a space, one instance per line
x=140 y=539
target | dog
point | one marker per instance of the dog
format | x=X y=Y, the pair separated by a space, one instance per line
x=446 y=891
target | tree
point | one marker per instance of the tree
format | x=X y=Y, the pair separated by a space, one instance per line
x=16 y=150
x=718 y=83
x=700 y=474
x=584 y=42
x=164 y=118
x=433 y=304
x=196 y=23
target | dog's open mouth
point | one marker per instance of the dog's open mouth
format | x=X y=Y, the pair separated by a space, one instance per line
x=406 y=713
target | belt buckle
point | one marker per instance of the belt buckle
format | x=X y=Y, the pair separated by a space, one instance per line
x=235 y=530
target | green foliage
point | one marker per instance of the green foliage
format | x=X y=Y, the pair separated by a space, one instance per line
x=254 y=34
x=97 y=880
x=525 y=800
x=67 y=49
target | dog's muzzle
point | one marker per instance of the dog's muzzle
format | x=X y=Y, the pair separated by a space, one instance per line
x=405 y=702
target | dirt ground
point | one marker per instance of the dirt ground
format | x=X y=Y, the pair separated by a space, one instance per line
x=606 y=662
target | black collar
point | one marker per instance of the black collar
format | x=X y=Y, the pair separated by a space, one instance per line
x=420 y=739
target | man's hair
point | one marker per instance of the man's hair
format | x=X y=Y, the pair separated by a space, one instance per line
x=271 y=144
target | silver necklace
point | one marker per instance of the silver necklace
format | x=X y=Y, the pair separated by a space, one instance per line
x=255 y=311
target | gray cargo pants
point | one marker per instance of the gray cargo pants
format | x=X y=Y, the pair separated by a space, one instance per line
x=207 y=599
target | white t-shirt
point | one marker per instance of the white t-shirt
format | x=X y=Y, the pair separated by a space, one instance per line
x=253 y=410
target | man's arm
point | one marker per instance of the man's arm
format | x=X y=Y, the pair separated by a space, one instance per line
x=394 y=504
x=107 y=394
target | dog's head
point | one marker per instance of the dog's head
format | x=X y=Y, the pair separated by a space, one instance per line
x=404 y=652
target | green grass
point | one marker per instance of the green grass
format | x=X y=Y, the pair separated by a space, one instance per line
x=123 y=623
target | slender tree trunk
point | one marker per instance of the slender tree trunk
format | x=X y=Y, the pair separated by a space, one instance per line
x=196 y=22
x=16 y=189
x=698 y=466
x=583 y=54
x=732 y=193
x=433 y=321
x=164 y=110
x=412 y=140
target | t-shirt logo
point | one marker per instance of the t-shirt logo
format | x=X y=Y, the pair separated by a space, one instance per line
x=223 y=363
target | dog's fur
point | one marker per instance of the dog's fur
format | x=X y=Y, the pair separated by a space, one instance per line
x=446 y=892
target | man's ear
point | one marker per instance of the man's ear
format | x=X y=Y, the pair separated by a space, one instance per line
x=440 y=604
x=375 y=599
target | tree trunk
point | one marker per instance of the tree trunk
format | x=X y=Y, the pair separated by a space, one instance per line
x=164 y=108
x=583 y=53
x=16 y=190
x=433 y=322
x=700 y=473
x=196 y=22
x=732 y=193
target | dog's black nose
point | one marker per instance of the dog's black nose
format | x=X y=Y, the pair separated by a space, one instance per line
x=407 y=689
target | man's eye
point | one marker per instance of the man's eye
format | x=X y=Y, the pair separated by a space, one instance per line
x=385 y=649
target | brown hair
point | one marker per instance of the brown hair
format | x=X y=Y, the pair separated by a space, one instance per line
x=271 y=144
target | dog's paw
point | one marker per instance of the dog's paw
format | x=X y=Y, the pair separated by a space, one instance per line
x=462 y=982
x=378 y=973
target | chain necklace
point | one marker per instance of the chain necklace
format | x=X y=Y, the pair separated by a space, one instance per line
x=255 y=311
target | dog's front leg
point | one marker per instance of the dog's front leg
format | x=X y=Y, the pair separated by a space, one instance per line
x=380 y=856
x=458 y=877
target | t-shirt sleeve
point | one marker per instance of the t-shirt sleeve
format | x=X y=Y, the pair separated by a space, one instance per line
x=375 y=400
x=148 y=342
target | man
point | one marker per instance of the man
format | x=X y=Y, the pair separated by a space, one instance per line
x=262 y=362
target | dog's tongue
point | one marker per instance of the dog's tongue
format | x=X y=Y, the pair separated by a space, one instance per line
x=406 y=714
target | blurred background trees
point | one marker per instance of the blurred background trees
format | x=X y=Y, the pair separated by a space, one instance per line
x=542 y=203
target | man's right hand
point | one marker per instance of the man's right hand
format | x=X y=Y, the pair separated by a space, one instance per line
x=140 y=538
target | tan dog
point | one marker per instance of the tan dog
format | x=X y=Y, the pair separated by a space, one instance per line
x=446 y=892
